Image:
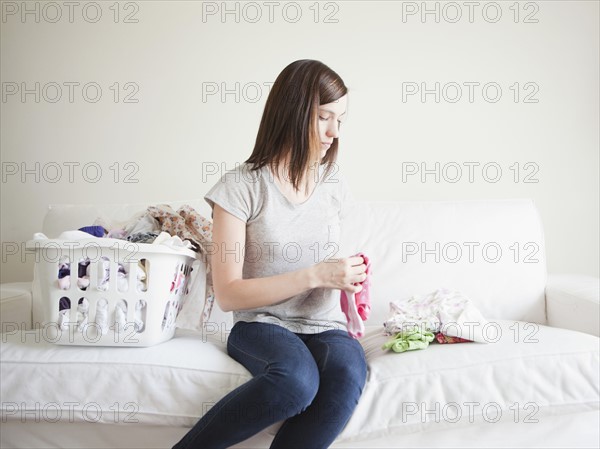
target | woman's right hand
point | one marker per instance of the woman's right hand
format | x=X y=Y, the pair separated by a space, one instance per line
x=341 y=274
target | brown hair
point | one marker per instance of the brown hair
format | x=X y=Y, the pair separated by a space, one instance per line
x=289 y=124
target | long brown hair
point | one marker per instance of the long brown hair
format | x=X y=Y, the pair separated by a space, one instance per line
x=289 y=124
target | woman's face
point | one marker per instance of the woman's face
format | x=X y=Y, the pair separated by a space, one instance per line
x=331 y=115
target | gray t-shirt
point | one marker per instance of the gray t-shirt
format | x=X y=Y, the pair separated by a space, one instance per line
x=282 y=236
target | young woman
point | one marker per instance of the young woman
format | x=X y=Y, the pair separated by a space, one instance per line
x=282 y=207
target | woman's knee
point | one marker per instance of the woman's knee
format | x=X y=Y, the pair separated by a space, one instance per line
x=345 y=360
x=352 y=373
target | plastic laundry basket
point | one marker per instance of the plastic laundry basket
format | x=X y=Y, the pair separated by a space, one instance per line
x=108 y=292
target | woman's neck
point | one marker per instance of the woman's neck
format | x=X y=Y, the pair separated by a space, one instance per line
x=306 y=182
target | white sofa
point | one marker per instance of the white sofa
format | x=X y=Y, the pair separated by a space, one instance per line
x=534 y=384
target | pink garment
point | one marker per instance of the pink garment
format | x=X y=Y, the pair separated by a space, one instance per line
x=357 y=306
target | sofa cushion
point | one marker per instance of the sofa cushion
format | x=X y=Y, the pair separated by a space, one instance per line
x=573 y=302
x=524 y=372
x=15 y=306
x=168 y=384
x=530 y=370
x=492 y=251
x=66 y=217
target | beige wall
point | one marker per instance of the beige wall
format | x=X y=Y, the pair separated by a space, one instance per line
x=163 y=66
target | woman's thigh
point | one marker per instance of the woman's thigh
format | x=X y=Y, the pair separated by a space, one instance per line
x=264 y=348
x=338 y=356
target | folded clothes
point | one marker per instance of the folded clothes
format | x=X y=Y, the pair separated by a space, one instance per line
x=409 y=340
x=447 y=339
x=447 y=311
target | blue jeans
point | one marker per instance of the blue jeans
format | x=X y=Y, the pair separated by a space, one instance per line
x=312 y=381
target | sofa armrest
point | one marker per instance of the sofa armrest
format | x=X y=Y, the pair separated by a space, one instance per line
x=573 y=302
x=16 y=306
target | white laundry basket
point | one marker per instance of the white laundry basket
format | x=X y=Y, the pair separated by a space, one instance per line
x=136 y=306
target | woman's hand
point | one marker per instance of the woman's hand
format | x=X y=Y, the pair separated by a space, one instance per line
x=341 y=274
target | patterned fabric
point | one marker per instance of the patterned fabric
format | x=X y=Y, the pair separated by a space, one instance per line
x=190 y=225
x=186 y=223
x=447 y=339
x=142 y=237
x=447 y=311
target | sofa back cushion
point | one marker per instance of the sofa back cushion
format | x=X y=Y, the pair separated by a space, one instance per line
x=490 y=250
x=67 y=217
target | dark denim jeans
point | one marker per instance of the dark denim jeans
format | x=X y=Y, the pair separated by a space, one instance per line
x=312 y=381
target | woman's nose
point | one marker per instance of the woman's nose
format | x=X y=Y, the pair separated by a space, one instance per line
x=333 y=130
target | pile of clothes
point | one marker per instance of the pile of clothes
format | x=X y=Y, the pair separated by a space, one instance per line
x=443 y=316
x=146 y=226
x=160 y=224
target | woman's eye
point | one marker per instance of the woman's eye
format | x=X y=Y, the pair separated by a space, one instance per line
x=323 y=118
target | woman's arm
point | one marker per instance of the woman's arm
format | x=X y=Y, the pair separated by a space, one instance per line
x=234 y=293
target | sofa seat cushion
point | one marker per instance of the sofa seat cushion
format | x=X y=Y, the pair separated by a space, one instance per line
x=15 y=304
x=531 y=371
x=168 y=384
x=523 y=373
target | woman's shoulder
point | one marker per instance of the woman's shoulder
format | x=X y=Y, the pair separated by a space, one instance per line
x=242 y=173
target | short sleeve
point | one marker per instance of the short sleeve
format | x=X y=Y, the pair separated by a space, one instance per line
x=234 y=193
